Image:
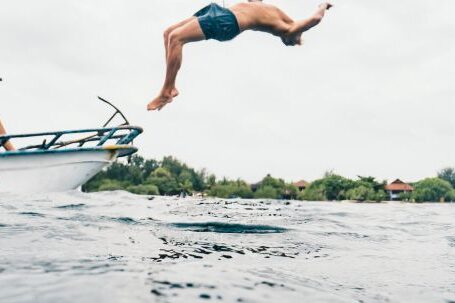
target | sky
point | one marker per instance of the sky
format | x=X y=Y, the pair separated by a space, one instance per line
x=370 y=92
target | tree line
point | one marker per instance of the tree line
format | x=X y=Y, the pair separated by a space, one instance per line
x=173 y=177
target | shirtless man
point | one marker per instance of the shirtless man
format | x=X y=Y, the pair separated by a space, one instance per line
x=7 y=145
x=222 y=24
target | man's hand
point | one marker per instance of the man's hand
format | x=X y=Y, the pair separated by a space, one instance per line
x=326 y=5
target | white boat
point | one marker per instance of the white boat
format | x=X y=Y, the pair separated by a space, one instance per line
x=63 y=165
x=64 y=160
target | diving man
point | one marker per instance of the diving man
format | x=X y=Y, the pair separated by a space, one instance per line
x=7 y=145
x=223 y=24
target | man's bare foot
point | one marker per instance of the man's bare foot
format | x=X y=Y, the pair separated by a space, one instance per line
x=159 y=102
x=175 y=92
x=162 y=100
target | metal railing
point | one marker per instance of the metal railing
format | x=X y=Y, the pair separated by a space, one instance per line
x=121 y=135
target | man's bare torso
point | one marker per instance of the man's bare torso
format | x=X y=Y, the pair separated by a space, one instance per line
x=261 y=17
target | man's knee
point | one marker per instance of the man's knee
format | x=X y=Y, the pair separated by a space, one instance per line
x=175 y=39
x=166 y=33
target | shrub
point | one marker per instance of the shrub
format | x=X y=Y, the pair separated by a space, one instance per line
x=447 y=174
x=273 y=188
x=381 y=195
x=267 y=192
x=164 y=181
x=110 y=185
x=433 y=190
x=361 y=193
x=331 y=187
x=312 y=193
x=231 y=189
x=290 y=192
x=146 y=189
x=405 y=196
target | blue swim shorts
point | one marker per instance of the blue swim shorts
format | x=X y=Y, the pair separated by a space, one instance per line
x=218 y=23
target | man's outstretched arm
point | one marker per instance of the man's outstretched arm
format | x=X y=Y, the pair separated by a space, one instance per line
x=304 y=25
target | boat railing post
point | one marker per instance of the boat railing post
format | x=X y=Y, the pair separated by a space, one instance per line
x=128 y=138
x=50 y=144
x=107 y=137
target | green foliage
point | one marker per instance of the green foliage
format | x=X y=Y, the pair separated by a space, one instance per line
x=365 y=193
x=433 y=190
x=361 y=193
x=371 y=182
x=381 y=195
x=312 y=193
x=273 y=188
x=133 y=173
x=447 y=174
x=143 y=189
x=110 y=185
x=166 y=183
x=331 y=187
x=290 y=192
x=335 y=187
x=168 y=177
x=405 y=196
x=185 y=174
x=269 y=181
x=267 y=192
x=231 y=189
x=171 y=177
x=211 y=181
x=94 y=184
x=367 y=189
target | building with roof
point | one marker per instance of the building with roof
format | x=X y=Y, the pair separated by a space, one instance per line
x=397 y=187
x=301 y=185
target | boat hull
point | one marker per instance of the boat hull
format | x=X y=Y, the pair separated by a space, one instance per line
x=51 y=171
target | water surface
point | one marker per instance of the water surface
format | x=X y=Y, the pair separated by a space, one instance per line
x=118 y=247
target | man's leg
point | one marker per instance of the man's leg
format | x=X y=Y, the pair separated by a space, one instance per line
x=170 y=29
x=166 y=34
x=190 y=32
x=8 y=145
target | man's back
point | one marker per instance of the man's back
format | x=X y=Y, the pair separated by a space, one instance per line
x=261 y=17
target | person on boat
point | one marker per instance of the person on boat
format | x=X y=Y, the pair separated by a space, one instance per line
x=223 y=24
x=7 y=145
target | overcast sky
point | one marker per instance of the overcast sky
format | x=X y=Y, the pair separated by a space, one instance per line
x=371 y=92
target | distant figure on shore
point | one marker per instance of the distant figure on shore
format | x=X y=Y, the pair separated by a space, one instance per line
x=223 y=24
x=7 y=145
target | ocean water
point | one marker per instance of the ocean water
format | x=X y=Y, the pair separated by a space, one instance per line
x=119 y=247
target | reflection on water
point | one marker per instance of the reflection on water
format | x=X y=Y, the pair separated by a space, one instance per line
x=118 y=247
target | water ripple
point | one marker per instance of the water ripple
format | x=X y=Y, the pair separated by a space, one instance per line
x=119 y=247
x=71 y=206
x=32 y=214
x=229 y=228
